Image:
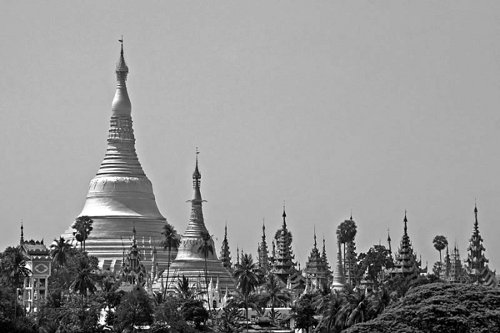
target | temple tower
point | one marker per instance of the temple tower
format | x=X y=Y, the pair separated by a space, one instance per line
x=120 y=195
x=316 y=271
x=325 y=260
x=283 y=264
x=225 y=253
x=477 y=266
x=405 y=260
x=263 y=252
x=191 y=258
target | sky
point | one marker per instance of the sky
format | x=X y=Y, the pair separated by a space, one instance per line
x=369 y=107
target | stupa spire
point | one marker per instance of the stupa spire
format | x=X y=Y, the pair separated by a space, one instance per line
x=196 y=227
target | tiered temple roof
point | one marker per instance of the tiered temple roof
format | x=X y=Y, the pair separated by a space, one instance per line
x=263 y=252
x=283 y=264
x=405 y=260
x=316 y=270
x=225 y=253
x=477 y=266
x=121 y=195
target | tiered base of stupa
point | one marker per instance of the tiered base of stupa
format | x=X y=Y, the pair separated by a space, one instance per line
x=111 y=238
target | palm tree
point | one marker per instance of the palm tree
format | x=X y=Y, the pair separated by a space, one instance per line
x=206 y=247
x=171 y=240
x=329 y=307
x=183 y=289
x=346 y=232
x=13 y=263
x=274 y=294
x=83 y=227
x=84 y=282
x=440 y=242
x=59 y=251
x=248 y=277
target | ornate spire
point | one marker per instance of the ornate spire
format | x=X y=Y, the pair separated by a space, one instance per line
x=225 y=254
x=283 y=264
x=338 y=276
x=405 y=260
x=22 y=233
x=476 y=261
x=284 y=215
x=389 y=241
x=325 y=259
x=121 y=157
x=263 y=251
x=196 y=227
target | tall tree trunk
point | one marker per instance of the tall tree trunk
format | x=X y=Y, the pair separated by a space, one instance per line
x=168 y=272
x=206 y=283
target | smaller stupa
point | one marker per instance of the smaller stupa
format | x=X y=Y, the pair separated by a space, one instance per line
x=196 y=252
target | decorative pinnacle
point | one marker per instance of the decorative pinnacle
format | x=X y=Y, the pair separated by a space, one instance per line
x=121 y=66
x=22 y=232
x=284 y=214
x=315 y=244
x=405 y=220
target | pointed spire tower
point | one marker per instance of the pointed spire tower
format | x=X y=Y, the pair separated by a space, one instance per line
x=316 y=271
x=338 y=283
x=191 y=256
x=263 y=251
x=225 y=253
x=325 y=260
x=405 y=260
x=283 y=265
x=121 y=195
x=477 y=266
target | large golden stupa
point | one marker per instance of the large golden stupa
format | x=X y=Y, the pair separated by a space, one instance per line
x=120 y=196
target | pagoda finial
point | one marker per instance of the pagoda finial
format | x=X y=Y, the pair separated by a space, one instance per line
x=405 y=220
x=22 y=233
x=315 y=244
x=389 y=240
x=475 y=215
x=196 y=178
x=284 y=214
x=121 y=103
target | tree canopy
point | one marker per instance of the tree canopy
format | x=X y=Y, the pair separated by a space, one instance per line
x=439 y=307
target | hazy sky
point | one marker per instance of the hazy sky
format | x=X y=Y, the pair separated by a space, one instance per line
x=332 y=106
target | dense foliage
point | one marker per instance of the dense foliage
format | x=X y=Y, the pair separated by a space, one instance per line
x=440 y=307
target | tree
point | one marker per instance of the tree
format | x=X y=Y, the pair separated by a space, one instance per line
x=439 y=307
x=168 y=317
x=274 y=295
x=206 y=247
x=194 y=311
x=171 y=240
x=13 y=266
x=83 y=227
x=59 y=251
x=84 y=283
x=248 y=277
x=303 y=312
x=329 y=306
x=227 y=320
x=183 y=289
x=440 y=243
x=374 y=262
x=135 y=309
x=346 y=232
